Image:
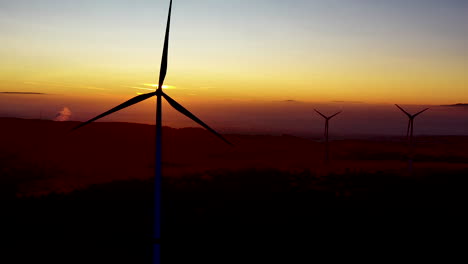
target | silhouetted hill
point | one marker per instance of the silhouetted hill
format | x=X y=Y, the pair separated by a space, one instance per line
x=94 y=194
x=40 y=156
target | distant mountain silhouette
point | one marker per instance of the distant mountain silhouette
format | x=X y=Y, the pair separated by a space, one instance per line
x=457 y=105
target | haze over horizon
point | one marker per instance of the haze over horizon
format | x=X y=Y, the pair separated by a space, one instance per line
x=240 y=65
x=257 y=117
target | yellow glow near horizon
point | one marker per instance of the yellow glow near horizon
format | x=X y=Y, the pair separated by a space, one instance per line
x=156 y=86
x=376 y=53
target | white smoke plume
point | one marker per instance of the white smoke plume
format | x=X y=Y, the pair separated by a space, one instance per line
x=63 y=115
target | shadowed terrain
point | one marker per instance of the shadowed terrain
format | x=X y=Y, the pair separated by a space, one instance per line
x=86 y=197
x=49 y=158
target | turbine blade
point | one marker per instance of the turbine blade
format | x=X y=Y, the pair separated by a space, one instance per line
x=335 y=114
x=320 y=113
x=420 y=112
x=403 y=110
x=163 y=70
x=128 y=103
x=187 y=113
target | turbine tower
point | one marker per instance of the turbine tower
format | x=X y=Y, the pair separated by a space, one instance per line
x=327 y=119
x=409 y=133
x=158 y=167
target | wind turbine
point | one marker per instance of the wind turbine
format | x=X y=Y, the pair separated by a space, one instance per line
x=327 y=119
x=158 y=168
x=409 y=133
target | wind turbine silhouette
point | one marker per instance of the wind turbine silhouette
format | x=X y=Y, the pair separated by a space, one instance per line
x=327 y=119
x=158 y=168
x=409 y=133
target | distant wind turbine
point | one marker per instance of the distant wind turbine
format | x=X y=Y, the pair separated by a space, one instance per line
x=327 y=119
x=409 y=133
x=158 y=168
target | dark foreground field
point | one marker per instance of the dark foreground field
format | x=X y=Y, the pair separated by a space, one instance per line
x=87 y=197
x=251 y=216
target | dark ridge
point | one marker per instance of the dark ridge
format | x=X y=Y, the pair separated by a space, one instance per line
x=457 y=105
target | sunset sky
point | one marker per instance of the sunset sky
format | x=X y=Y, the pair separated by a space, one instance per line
x=100 y=52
